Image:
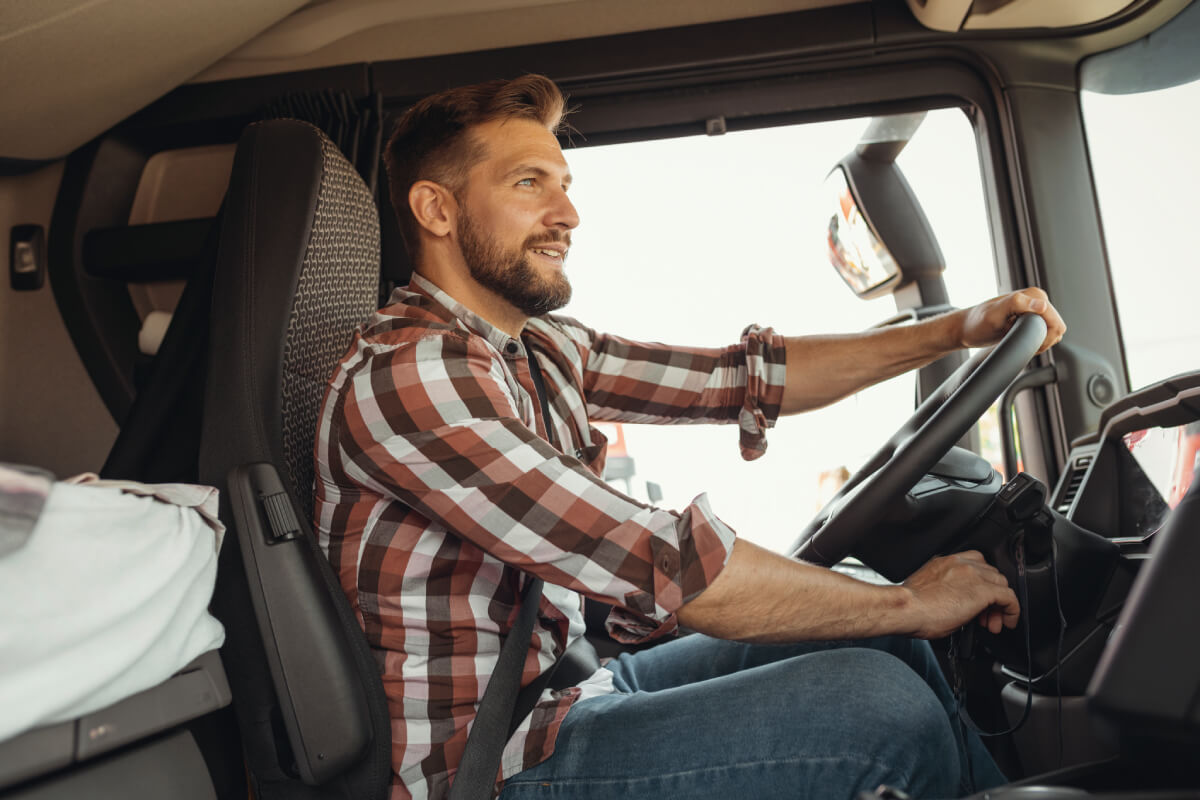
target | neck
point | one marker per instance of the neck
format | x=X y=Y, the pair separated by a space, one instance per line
x=482 y=301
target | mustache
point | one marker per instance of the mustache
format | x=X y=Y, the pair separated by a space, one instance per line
x=549 y=237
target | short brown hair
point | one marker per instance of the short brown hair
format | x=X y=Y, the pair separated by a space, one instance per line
x=432 y=140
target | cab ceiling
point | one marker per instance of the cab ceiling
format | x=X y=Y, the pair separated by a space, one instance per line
x=71 y=69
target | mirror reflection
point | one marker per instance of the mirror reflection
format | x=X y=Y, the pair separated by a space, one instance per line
x=1156 y=471
x=1168 y=456
x=854 y=249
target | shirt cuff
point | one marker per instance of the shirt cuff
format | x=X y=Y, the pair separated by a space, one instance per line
x=766 y=375
x=687 y=557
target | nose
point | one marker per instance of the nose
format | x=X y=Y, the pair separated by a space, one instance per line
x=562 y=213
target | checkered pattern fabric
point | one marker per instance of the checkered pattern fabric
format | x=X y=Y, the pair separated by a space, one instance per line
x=437 y=490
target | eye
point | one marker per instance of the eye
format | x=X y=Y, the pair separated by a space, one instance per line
x=525 y=182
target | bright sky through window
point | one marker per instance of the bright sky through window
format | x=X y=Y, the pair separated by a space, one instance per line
x=689 y=240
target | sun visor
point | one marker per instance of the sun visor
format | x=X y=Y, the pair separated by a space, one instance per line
x=955 y=15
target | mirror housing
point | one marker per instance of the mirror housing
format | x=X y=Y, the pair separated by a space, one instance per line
x=878 y=235
x=863 y=261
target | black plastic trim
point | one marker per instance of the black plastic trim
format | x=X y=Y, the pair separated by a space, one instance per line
x=197 y=689
x=97 y=191
x=322 y=702
x=158 y=251
x=10 y=167
x=194 y=111
x=1147 y=678
x=581 y=63
x=893 y=210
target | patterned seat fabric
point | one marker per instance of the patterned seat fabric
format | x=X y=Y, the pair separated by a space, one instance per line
x=336 y=292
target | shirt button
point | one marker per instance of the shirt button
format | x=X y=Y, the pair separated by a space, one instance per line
x=512 y=348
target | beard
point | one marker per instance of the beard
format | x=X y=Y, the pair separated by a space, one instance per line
x=510 y=274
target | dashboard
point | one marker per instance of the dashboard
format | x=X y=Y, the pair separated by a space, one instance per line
x=1123 y=481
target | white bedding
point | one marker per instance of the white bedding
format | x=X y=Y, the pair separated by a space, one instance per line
x=107 y=596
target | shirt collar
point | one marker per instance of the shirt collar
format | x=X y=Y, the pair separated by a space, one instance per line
x=509 y=346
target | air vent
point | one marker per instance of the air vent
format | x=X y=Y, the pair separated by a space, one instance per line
x=1071 y=488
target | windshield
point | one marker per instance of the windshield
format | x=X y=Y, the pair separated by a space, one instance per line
x=688 y=240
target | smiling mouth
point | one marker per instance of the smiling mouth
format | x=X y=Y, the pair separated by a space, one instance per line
x=557 y=255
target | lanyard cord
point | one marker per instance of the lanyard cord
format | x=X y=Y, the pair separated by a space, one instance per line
x=540 y=386
x=1062 y=629
x=958 y=658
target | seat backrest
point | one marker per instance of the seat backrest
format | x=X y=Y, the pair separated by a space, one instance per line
x=297 y=270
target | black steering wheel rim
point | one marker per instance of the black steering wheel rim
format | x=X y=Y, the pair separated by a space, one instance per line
x=940 y=421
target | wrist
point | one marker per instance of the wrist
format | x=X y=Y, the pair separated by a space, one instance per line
x=902 y=613
x=954 y=335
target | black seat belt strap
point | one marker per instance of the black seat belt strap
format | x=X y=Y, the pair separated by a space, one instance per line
x=496 y=718
x=476 y=776
x=540 y=386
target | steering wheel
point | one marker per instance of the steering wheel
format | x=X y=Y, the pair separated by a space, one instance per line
x=940 y=421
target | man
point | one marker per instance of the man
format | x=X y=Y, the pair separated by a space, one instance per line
x=442 y=485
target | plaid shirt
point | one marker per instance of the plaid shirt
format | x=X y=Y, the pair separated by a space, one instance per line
x=437 y=490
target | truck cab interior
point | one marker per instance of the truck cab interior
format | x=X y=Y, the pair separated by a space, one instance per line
x=195 y=217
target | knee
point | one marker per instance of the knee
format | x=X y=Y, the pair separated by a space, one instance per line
x=885 y=690
x=901 y=722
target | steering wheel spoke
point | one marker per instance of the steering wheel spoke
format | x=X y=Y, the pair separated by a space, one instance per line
x=942 y=419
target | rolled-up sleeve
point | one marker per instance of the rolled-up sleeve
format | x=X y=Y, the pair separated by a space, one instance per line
x=687 y=557
x=627 y=381
x=438 y=425
x=766 y=375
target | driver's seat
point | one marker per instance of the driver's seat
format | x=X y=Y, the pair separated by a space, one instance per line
x=297 y=270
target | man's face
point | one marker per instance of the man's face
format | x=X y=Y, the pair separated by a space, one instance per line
x=515 y=220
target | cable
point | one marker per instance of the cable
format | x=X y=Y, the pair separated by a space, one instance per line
x=1062 y=629
x=959 y=694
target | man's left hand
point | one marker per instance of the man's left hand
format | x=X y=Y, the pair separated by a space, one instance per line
x=987 y=322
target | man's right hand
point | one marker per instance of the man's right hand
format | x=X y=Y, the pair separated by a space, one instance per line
x=950 y=591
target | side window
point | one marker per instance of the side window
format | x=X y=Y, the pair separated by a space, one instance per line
x=689 y=240
x=1144 y=165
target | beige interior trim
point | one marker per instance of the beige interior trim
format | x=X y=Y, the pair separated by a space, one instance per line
x=51 y=415
x=1043 y=14
x=955 y=15
x=941 y=15
x=71 y=69
x=188 y=183
x=352 y=31
x=318 y=26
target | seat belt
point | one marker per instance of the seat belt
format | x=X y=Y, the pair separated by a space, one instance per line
x=476 y=776
x=496 y=718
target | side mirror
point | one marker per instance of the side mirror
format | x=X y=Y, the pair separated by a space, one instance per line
x=878 y=236
x=864 y=263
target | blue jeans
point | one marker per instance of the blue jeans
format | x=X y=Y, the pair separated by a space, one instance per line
x=705 y=718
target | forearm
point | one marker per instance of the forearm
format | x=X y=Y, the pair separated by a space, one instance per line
x=762 y=596
x=824 y=369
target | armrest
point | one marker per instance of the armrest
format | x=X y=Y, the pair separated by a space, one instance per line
x=321 y=700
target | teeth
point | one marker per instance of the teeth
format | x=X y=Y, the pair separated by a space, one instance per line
x=551 y=253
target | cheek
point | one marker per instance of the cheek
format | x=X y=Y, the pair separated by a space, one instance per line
x=515 y=227
x=510 y=218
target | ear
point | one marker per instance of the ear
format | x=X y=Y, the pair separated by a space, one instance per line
x=434 y=207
